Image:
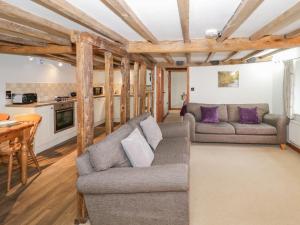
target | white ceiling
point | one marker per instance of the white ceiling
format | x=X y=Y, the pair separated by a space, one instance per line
x=161 y=17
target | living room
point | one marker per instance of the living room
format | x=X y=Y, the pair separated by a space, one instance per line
x=126 y=112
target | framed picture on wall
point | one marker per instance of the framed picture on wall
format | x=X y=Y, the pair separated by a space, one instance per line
x=228 y=79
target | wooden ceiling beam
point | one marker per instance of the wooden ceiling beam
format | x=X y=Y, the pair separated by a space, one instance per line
x=293 y=34
x=289 y=16
x=184 y=14
x=32 y=33
x=121 y=8
x=209 y=56
x=21 y=36
x=250 y=55
x=99 y=42
x=73 y=13
x=271 y=53
x=19 y=40
x=34 y=50
x=230 y=55
x=244 y=10
x=211 y=45
x=230 y=62
x=183 y=9
x=17 y=15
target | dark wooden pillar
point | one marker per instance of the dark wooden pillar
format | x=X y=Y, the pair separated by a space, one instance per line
x=109 y=97
x=143 y=71
x=125 y=91
x=136 y=88
x=85 y=106
x=159 y=94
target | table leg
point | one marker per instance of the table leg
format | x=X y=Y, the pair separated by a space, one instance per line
x=24 y=154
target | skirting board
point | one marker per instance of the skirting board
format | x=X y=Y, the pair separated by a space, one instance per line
x=295 y=148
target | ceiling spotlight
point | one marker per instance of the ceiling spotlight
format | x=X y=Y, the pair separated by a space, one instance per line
x=60 y=64
x=211 y=33
x=30 y=58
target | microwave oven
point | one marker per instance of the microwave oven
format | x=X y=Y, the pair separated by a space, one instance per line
x=98 y=91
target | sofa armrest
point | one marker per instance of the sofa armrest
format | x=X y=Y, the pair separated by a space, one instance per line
x=162 y=178
x=280 y=122
x=192 y=123
x=83 y=164
x=176 y=129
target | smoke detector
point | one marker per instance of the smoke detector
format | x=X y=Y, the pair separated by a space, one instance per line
x=211 y=33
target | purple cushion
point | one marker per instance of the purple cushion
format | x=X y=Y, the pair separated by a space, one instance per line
x=248 y=115
x=209 y=114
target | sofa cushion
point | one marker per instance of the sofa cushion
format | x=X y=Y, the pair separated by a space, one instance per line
x=137 y=149
x=172 y=151
x=209 y=114
x=109 y=152
x=135 y=122
x=214 y=128
x=194 y=108
x=233 y=111
x=151 y=131
x=255 y=129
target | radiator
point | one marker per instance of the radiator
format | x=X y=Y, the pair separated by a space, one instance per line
x=294 y=132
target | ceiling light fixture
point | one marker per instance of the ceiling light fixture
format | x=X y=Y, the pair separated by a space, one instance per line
x=60 y=64
x=30 y=58
x=211 y=33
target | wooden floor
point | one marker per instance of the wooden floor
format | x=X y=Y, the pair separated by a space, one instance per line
x=48 y=198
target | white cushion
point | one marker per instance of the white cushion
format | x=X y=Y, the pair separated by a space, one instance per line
x=152 y=131
x=137 y=149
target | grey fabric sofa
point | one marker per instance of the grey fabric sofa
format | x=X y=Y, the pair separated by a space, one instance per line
x=156 y=195
x=271 y=130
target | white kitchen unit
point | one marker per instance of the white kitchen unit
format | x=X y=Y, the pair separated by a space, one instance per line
x=45 y=136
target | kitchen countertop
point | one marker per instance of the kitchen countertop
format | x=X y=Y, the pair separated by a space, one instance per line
x=40 y=104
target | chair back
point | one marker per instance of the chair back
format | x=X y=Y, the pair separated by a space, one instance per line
x=34 y=118
x=4 y=116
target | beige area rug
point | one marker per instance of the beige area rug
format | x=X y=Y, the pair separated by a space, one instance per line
x=244 y=185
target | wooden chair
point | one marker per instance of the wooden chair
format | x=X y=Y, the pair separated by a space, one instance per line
x=13 y=148
x=4 y=116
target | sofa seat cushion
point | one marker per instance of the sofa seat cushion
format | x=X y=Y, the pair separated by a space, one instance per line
x=214 y=128
x=255 y=129
x=172 y=151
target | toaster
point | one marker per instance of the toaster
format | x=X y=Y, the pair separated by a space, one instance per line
x=25 y=98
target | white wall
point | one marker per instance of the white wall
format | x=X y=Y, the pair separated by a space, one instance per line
x=18 y=69
x=258 y=83
x=178 y=87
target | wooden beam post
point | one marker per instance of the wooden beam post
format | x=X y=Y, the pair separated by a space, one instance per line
x=125 y=91
x=169 y=89
x=152 y=90
x=136 y=88
x=143 y=72
x=85 y=107
x=109 y=79
x=159 y=94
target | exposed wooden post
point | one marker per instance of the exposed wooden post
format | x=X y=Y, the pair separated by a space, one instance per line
x=152 y=90
x=169 y=90
x=143 y=72
x=109 y=79
x=125 y=91
x=136 y=88
x=85 y=106
x=159 y=94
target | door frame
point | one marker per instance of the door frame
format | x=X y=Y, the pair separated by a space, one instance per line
x=170 y=70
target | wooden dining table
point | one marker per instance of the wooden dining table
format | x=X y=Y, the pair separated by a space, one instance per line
x=22 y=132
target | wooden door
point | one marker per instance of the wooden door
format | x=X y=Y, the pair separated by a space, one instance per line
x=159 y=94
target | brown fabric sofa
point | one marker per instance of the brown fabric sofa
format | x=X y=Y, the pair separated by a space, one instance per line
x=271 y=130
x=141 y=196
